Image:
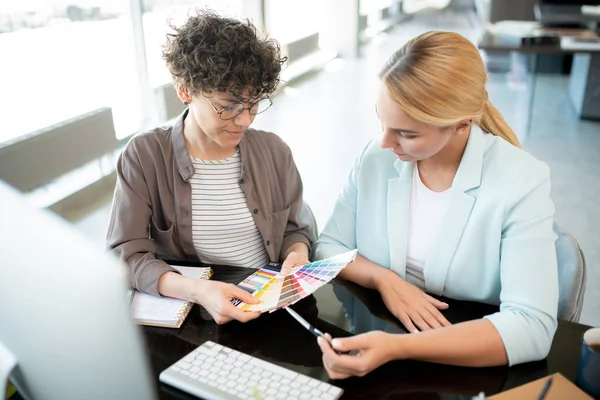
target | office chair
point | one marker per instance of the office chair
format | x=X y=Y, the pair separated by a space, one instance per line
x=306 y=214
x=571 y=275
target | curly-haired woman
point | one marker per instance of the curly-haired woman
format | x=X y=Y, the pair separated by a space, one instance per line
x=209 y=188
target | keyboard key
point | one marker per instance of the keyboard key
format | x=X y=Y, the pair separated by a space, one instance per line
x=285 y=381
x=244 y=357
x=276 y=369
x=184 y=365
x=189 y=358
x=295 y=384
x=262 y=387
x=302 y=378
x=207 y=344
x=226 y=350
x=194 y=376
x=313 y=383
x=283 y=389
x=334 y=390
x=324 y=387
x=305 y=396
x=185 y=372
x=316 y=393
x=208 y=352
x=266 y=374
x=194 y=370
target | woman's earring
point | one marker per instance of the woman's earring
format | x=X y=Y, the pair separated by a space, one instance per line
x=186 y=103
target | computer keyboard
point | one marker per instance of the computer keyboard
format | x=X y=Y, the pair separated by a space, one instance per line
x=216 y=372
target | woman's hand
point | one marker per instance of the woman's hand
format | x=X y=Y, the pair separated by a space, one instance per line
x=375 y=349
x=413 y=307
x=216 y=298
x=293 y=259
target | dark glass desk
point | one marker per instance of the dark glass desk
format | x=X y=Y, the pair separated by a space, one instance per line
x=278 y=338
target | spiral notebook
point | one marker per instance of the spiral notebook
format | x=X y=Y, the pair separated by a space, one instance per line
x=165 y=311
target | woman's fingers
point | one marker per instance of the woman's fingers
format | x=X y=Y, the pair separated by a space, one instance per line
x=242 y=295
x=435 y=313
x=245 y=316
x=337 y=366
x=436 y=303
x=406 y=321
x=418 y=321
x=428 y=316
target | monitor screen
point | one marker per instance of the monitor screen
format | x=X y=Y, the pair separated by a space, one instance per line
x=64 y=314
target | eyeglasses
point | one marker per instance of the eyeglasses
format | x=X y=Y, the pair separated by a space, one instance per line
x=235 y=109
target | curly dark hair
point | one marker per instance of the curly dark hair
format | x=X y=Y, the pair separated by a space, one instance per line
x=214 y=53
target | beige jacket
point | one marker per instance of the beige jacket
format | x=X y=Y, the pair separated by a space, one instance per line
x=151 y=214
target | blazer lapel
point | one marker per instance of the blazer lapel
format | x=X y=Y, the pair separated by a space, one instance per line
x=398 y=204
x=457 y=214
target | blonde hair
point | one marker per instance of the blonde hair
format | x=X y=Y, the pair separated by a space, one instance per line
x=439 y=78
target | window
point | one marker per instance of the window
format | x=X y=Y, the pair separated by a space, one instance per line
x=65 y=58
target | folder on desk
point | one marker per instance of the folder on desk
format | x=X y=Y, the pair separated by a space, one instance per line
x=165 y=311
x=561 y=389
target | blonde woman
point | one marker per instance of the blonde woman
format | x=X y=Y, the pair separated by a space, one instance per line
x=446 y=203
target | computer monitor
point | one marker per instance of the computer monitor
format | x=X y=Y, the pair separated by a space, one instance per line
x=64 y=315
x=572 y=2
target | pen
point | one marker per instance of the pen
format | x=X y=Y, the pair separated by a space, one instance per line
x=306 y=324
x=311 y=328
x=545 y=389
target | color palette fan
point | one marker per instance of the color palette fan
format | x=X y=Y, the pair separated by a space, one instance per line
x=276 y=291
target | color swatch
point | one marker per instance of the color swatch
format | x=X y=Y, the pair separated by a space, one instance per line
x=276 y=291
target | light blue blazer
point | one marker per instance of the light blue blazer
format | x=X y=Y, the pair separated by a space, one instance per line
x=495 y=244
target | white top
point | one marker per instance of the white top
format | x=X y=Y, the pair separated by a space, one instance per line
x=223 y=230
x=426 y=211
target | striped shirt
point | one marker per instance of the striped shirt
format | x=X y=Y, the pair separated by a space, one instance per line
x=223 y=230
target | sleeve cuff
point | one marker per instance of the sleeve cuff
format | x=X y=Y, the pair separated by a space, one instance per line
x=524 y=339
x=295 y=238
x=147 y=281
